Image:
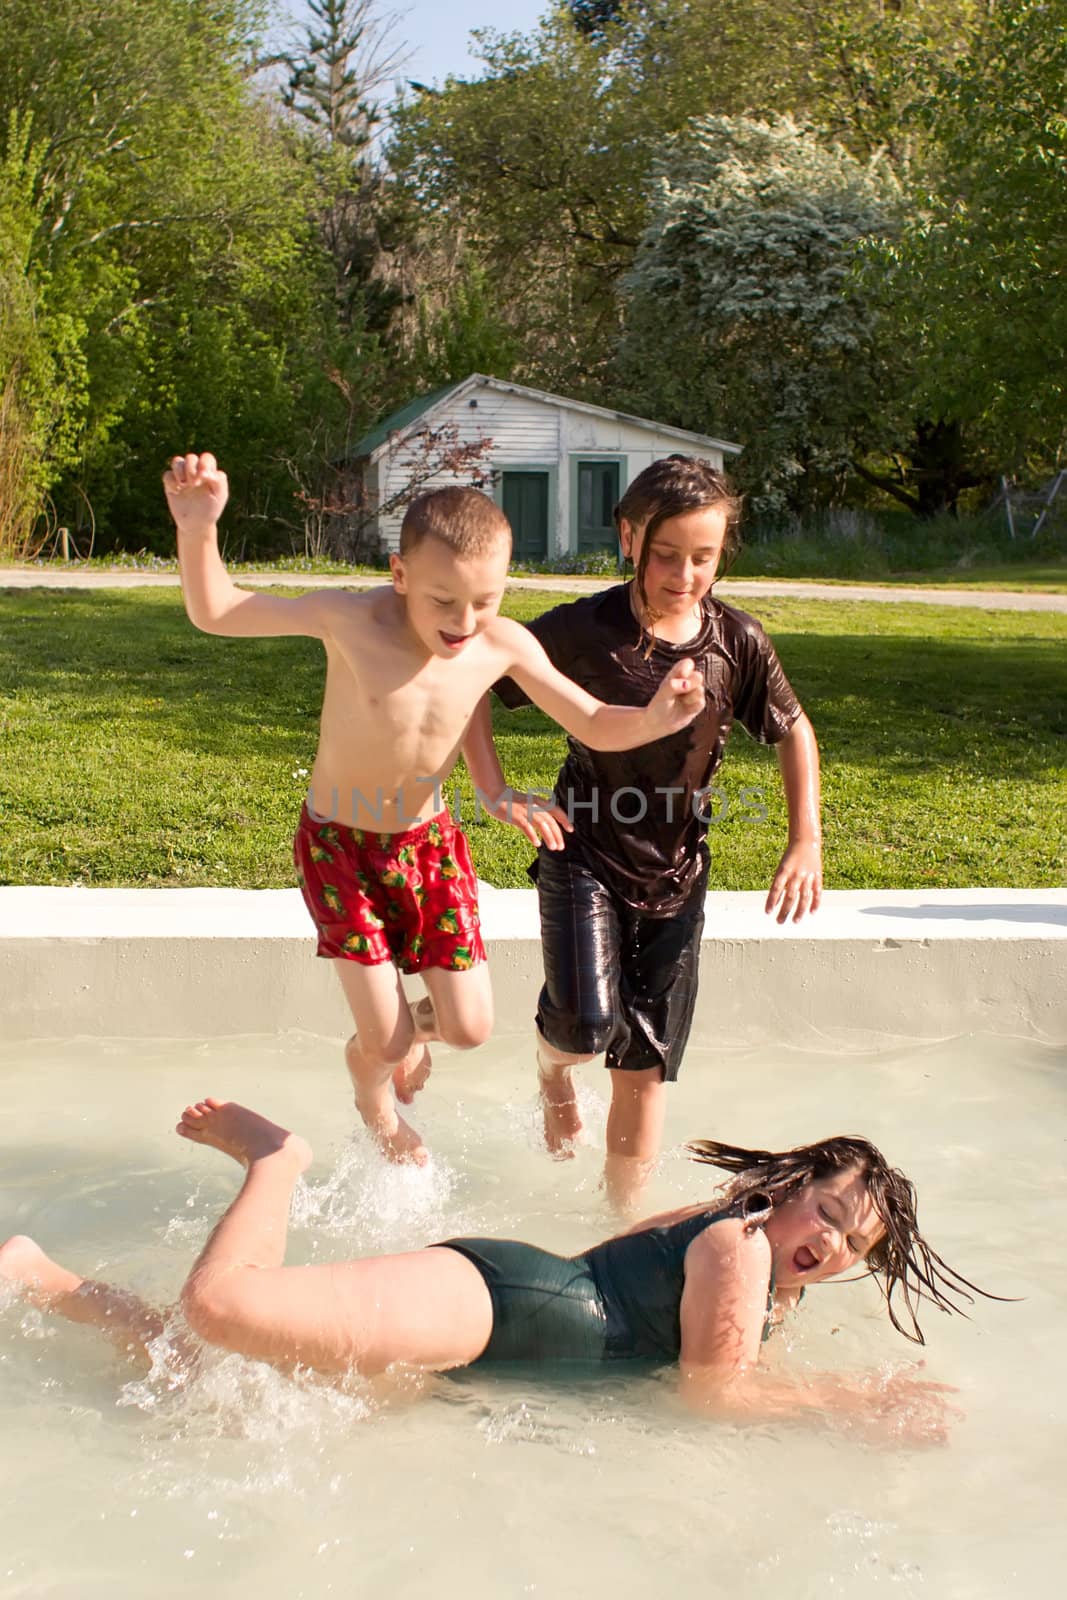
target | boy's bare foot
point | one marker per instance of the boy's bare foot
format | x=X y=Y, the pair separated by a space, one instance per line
x=24 y=1263
x=424 y=1017
x=240 y=1133
x=410 y=1075
x=559 y=1107
x=395 y=1138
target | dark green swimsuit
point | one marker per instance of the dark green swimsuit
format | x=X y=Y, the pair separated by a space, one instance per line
x=619 y=1301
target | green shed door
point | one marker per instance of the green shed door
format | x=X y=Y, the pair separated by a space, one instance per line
x=598 y=494
x=524 y=496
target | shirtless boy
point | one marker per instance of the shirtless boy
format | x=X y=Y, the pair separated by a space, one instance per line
x=386 y=875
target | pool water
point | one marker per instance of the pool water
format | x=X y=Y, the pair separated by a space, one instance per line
x=237 y=1481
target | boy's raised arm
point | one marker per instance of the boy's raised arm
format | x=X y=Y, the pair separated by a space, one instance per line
x=196 y=493
x=676 y=702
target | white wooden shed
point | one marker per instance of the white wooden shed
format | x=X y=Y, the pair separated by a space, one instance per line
x=557 y=466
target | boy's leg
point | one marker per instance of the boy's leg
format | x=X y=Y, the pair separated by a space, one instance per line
x=659 y=961
x=430 y=1308
x=450 y=955
x=385 y=1042
x=459 y=1006
x=578 y=1011
x=343 y=880
x=43 y=1282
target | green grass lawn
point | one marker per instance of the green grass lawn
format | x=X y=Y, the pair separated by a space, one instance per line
x=136 y=751
x=1036 y=577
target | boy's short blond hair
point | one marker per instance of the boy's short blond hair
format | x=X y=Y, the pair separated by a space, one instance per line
x=466 y=520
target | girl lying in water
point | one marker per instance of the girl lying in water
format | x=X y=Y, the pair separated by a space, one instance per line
x=699 y=1285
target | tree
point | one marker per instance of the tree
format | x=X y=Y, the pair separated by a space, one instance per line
x=343 y=56
x=28 y=404
x=976 y=280
x=741 y=316
x=541 y=169
x=533 y=174
x=845 y=66
x=168 y=263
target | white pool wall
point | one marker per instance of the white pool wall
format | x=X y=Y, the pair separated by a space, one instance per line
x=199 y=963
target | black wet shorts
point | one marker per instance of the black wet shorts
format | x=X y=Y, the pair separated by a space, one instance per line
x=616 y=981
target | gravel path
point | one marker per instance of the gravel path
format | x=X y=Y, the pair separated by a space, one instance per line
x=730 y=589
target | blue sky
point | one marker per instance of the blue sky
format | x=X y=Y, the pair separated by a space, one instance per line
x=437 y=32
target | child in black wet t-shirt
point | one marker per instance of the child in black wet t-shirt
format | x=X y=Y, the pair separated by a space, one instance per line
x=622 y=904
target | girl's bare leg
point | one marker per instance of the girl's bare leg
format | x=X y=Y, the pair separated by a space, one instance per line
x=43 y=1282
x=634 y=1134
x=430 y=1308
x=559 y=1097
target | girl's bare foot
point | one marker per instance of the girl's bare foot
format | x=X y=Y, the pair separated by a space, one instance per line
x=24 y=1263
x=395 y=1138
x=559 y=1106
x=240 y=1133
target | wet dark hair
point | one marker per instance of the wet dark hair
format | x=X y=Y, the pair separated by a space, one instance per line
x=901 y=1258
x=669 y=488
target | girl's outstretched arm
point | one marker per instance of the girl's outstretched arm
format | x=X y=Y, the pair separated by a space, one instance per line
x=797 y=885
x=724 y=1306
x=893 y=1405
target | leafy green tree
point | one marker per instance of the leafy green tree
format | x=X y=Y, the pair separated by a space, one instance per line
x=171 y=264
x=975 y=283
x=343 y=57
x=541 y=169
x=28 y=410
x=535 y=175
x=742 y=318
x=845 y=67
x=462 y=332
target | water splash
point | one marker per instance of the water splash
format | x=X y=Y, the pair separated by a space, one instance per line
x=377 y=1203
x=533 y=1422
x=524 y=1121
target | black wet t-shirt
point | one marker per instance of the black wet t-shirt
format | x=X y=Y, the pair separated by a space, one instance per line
x=642 y=844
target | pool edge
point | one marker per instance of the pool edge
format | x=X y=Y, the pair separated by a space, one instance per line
x=197 y=963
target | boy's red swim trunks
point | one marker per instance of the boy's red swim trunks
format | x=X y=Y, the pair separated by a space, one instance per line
x=410 y=898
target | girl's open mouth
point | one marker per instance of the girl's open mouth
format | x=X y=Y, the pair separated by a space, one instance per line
x=804 y=1259
x=455 y=640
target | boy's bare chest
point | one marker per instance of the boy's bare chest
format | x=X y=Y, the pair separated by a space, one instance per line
x=390 y=699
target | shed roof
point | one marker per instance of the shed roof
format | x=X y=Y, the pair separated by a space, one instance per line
x=402 y=419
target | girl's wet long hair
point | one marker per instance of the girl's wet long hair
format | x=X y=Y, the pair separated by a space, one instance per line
x=901 y=1260
x=669 y=488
